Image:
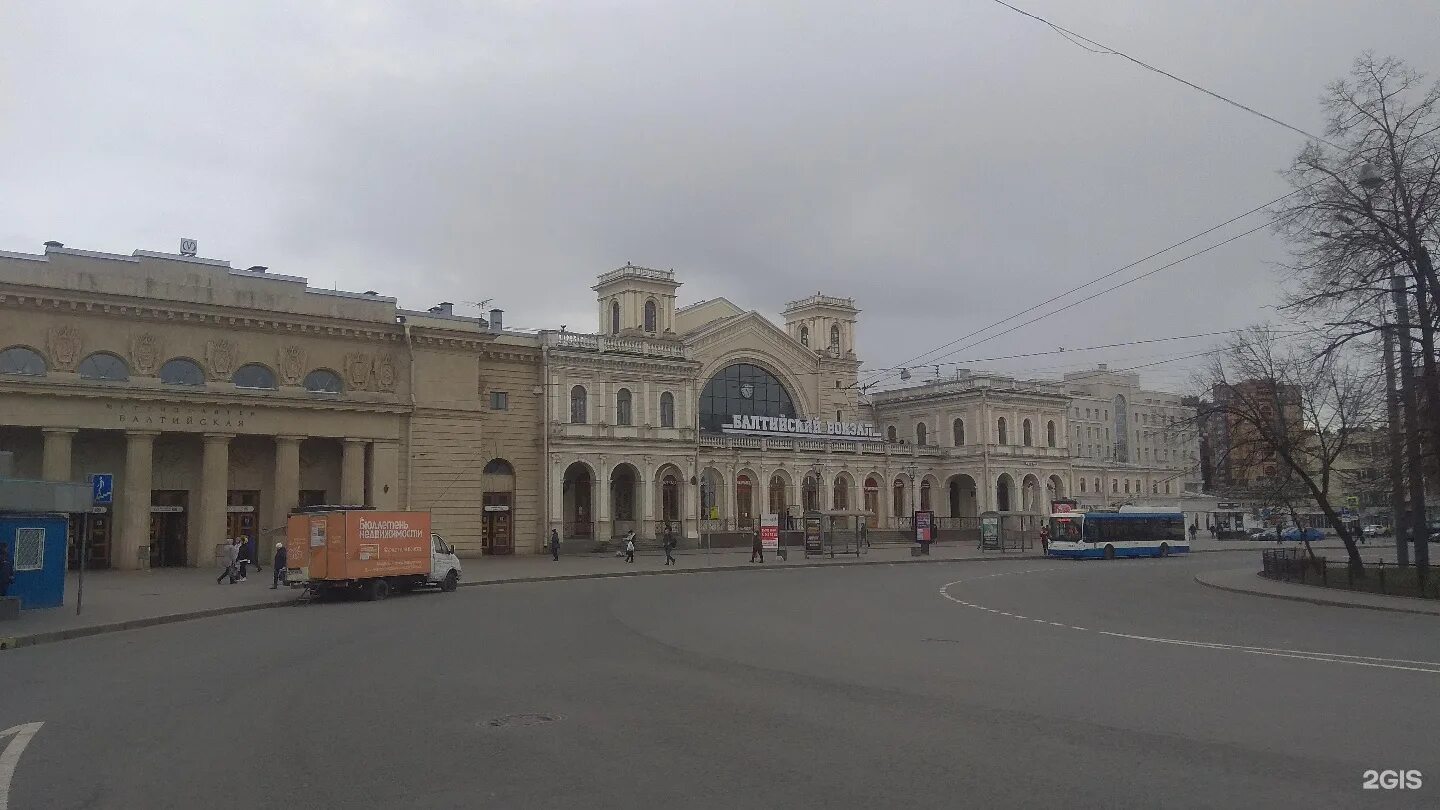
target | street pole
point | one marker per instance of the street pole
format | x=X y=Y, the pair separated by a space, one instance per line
x=1415 y=472
x=1397 y=450
x=84 y=548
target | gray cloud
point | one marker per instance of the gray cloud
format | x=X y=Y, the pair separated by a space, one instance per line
x=946 y=164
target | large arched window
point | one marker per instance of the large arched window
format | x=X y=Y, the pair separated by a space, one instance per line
x=614 y=317
x=924 y=496
x=804 y=336
x=890 y=434
x=1025 y=432
x=841 y=492
x=742 y=389
x=898 y=499
x=323 y=381
x=667 y=409
x=1050 y=434
x=254 y=375
x=577 y=405
x=182 y=371
x=1082 y=484
x=103 y=366
x=920 y=433
x=21 y=360
x=835 y=336
x=498 y=466
x=622 y=407
x=651 y=316
x=1001 y=431
x=957 y=432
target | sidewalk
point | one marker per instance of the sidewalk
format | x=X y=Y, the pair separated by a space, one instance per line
x=124 y=600
x=1248 y=581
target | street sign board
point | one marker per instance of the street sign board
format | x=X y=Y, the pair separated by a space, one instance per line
x=770 y=532
x=924 y=523
x=102 y=488
x=814 y=539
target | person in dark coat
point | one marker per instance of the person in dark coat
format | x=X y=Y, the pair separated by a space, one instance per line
x=555 y=545
x=282 y=560
x=757 y=551
x=669 y=546
x=7 y=570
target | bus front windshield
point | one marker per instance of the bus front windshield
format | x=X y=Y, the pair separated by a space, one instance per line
x=1065 y=529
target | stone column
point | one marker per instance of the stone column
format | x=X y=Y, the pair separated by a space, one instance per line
x=135 y=501
x=384 y=491
x=57 y=465
x=286 y=480
x=646 y=507
x=557 y=501
x=352 y=472
x=688 y=496
x=214 y=491
x=600 y=502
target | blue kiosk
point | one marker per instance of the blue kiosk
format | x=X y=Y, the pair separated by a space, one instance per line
x=34 y=528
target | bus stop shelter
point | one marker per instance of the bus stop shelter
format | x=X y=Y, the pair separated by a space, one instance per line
x=839 y=531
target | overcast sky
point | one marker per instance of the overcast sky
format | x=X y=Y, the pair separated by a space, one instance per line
x=946 y=163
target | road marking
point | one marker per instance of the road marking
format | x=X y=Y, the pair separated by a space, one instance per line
x=11 y=756
x=1407 y=665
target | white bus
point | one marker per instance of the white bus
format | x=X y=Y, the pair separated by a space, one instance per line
x=1130 y=532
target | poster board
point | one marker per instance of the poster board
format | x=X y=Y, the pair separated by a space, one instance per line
x=770 y=532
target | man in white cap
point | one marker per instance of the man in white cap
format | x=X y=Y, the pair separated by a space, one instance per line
x=282 y=558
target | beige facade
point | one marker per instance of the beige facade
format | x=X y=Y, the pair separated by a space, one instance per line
x=222 y=399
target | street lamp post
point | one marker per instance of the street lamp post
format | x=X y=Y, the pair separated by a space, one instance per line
x=912 y=468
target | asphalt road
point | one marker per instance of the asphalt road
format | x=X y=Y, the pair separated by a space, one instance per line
x=845 y=687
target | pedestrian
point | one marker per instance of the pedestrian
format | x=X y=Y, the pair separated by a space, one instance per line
x=630 y=547
x=7 y=570
x=669 y=546
x=228 y=555
x=1194 y=531
x=757 y=551
x=1044 y=539
x=281 y=562
x=242 y=554
x=555 y=545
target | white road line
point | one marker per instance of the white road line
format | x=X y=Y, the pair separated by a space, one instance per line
x=11 y=756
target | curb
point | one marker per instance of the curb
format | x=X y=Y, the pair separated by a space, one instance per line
x=1315 y=600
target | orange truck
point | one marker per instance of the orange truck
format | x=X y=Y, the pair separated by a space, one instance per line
x=374 y=553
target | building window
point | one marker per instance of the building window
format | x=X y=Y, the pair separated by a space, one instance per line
x=577 y=405
x=920 y=433
x=1127 y=486
x=667 y=409
x=29 y=548
x=622 y=407
x=1167 y=487
x=1000 y=428
x=103 y=366
x=1154 y=489
x=650 y=316
x=742 y=389
x=254 y=375
x=890 y=434
x=1025 y=432
x=20 y=360
x=614 y=317
x=925 y=496
x=1097 y=486
x=841 y=493
x=957 y=432
x=804 y=336
x=835 y=336
x=898 y=501
x=182 y=371
x=498 y=466
x=324 y=381
x=1082 y=484
x=1050 y=434
x=1115 y=485
x=499 y=400
x=838 y=417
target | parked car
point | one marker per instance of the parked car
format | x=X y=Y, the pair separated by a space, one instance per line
x=1261 y=534
x=1311 y=534
x=1376 y=530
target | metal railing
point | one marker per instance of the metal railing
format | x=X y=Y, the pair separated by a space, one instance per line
x=1380 y=577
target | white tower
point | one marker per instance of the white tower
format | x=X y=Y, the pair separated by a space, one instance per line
x=637 y=301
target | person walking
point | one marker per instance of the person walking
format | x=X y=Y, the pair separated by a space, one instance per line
x=1194 y=532
x=1044 y=539
x=7 y=570
x=757 y=551
x=281 y=562
x=669 y=544
x=555 y=545
x=228 y=555
x=242 y=555
x=630 y=547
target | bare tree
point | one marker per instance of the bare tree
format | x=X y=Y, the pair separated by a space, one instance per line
x=1288 y=417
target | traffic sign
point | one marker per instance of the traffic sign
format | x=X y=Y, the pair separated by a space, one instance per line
x=102 y=488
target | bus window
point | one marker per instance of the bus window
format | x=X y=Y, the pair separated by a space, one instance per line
x=1065 y=530
x=1092 y=531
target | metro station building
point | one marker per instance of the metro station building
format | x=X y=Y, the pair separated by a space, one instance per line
x=223 y=398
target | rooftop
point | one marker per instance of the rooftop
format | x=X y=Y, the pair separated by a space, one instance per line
x=820 y=300
x=635 y=271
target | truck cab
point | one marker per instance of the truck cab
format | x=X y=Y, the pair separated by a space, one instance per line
x=444 y=565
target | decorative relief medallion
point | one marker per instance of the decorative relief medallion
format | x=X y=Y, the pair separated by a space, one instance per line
x=145 y=353
x=64 y=344
x=220 y=356
x=357 y=370
x=291 y=363
x=385 y=373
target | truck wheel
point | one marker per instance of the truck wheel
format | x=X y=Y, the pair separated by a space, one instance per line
x=1109 y=552
x=379 y=589
x=451 y=582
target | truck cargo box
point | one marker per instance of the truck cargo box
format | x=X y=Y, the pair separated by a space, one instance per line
x=355 y=545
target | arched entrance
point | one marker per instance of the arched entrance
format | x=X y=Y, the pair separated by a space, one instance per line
x=899 y=500
x=963 y=500
x=872 y=501
x=1004 y=488
x=497 y=500
x=712 y=490
x=810 y=493
x=927 y=490
x=840 y=491
x=779 y=497
x=667 y=495
x=1054 y=490
x=578 y=518
x=624 y=486
x=745 y=500
x=1030 y=495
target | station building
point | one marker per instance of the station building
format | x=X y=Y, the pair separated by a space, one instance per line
x=224 y=398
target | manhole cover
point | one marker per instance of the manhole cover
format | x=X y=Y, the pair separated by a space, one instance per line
x=516 y=720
